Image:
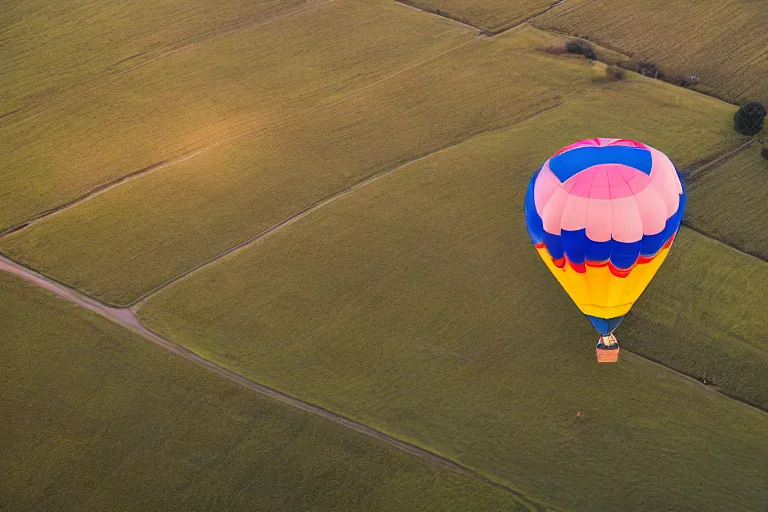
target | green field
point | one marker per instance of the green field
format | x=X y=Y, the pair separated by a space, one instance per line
x=724 y=44
x=489 y=15
x=730 y=202
x=54 y=51
x=704 y=315
x=418 y=305
x=407 y=296
x=125 y=242
x=96 y=418
x=203 y=94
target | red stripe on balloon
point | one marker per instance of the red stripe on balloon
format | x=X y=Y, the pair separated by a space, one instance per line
x=578 y=267
x=618 y=272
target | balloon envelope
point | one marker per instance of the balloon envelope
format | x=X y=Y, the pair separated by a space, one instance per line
x=602 y=214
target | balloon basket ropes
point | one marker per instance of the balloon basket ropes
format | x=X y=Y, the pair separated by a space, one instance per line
x=607 y=349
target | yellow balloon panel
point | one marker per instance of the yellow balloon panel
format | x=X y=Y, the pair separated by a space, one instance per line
x=600 y=293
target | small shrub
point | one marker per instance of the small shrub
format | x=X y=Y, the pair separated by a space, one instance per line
x=648 y=69
x=750 y=118
x=615 y=72
x=764 y=152
x=580 y=47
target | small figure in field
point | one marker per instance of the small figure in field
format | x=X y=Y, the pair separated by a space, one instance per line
x=578 y=414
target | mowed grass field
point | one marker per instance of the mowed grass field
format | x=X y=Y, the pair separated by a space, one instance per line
x=489 y=15
x=96 y=418
x=53 y=50
x=414 y=304
x=267 y=69
x=724 y=44
x=129 y=240
x=704 y=314
x=418 y=305
x=730 y=202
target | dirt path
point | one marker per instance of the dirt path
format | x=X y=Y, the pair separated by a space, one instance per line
x=695 y=173
x=125 y=317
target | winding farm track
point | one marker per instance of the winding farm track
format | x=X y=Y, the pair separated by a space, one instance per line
x=126 y=317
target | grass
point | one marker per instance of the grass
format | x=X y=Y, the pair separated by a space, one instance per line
x=56 y=50
x=127 y=241
x=418 y=305
x=730 y=202
x=704 y=315
x=491 y=16
x=724 y=45
x=96 y=418
x=234 y=76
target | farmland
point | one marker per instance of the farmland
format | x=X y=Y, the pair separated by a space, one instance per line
x=704 y=316
x=724 y=44
x=203 y=94
x=127 y=241
x=321 y=200
x=730 y=202
x=402 y=306
x=491 y=16
x=96 y=418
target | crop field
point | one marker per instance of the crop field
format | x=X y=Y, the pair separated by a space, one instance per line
x=325 y=197
x=704 y=315
x=730 y=202
x=205 y=93
x=489 y=15
x=54 y=50
x=96 y=418
x=417 y=304
x=129 y=240
x=724 y=44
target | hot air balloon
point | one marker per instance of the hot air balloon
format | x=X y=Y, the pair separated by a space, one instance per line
x=602 y=214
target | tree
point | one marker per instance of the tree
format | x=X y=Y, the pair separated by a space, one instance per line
x=580 y=47
x=750 y=118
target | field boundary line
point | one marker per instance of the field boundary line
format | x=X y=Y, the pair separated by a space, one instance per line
x=707 y=166
x=321 y=107
x=127 y=319
x=170 y=49
x=694 y=173
x=413 y=5
x=488 y=33
x=529 y=18
x=94 y=192
x=325 y=202
x=709 y=387
x=354 y=93
x=714 y=239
